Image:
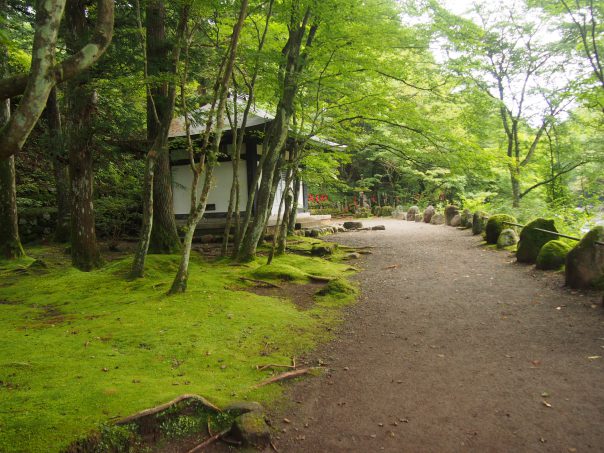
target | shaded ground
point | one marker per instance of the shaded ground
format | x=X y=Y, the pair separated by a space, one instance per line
x=453 y=347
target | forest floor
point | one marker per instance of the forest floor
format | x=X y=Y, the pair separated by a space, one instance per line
x=453 y=346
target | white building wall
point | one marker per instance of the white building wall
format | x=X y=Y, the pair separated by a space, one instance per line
x=220 y=192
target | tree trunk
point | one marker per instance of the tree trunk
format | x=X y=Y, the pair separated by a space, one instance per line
x=179 y=285
x=293 y=212
x=515 y=180
x=164 y=234
x=81 y=103
x=60 y=167
x=10 y=245
x=277 y=136
x=138 y=265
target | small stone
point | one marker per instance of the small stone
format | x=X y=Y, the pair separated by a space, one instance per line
x=378 y=228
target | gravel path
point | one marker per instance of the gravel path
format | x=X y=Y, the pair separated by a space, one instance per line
x=458 y=348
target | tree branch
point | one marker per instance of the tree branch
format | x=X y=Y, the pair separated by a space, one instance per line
x=557 y=175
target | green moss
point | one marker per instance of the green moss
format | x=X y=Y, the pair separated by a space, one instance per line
x=531 y=240
x=495 y=226
x=278 y=271
x=338 y=288
x=81 y=348
x=552 y=255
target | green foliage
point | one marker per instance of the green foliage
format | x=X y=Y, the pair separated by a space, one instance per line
x=495 y=226
x=552 y=255
x=362 y=213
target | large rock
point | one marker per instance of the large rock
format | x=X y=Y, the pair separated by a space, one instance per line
x=251 y=429
x=495 y=225
x=455 y=221
x=411 y=213
x=552 y=255
x=437 y=219
x=479 y=221
x=532 y=240
x=428 y=213
x=585 y=262
x=324 y=249
x=507 y=238
x=450 y=212
x=353 y=225
x=419 y=217
x=466 y=218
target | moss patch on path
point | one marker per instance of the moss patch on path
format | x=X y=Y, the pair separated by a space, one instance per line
x=80 y=349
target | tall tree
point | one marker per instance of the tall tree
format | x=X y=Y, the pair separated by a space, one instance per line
x=209 y=150
x=160 y=104
x=160 y=107
x=81 y=104
x=10 y=245
x=295 y=53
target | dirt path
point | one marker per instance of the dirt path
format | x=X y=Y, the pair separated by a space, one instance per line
x=455 y=350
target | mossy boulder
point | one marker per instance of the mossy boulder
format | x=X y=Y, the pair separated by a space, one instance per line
x=411 y=213
x=466 y=218
x=455 y=221
x=495 y=226
x=428 y=213
x=251 y=429
x=507 y=238
x=437 y=219
x=450 y=212
x=552 y=255
x=278 y=271
x=531 y=240
x=325 y=249
x=479 y=221
x=585 y=262
x=419 y=217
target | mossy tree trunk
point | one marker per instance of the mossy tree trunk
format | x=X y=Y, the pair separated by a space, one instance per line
x=59 y=166
x=294 y=63
x=234 y=209
x=10 y=245
x=209 y=150
x=81 y=106
x=160 y=109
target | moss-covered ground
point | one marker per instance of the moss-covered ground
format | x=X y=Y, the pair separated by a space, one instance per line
x=81 y=349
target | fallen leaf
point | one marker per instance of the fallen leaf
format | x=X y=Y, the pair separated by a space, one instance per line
x=594 y=357
x=545 y=394
x=442 y=356
x=536 y=363
x=287 y=420
x=542 y=440
x=546 y=404
x=393 y=266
